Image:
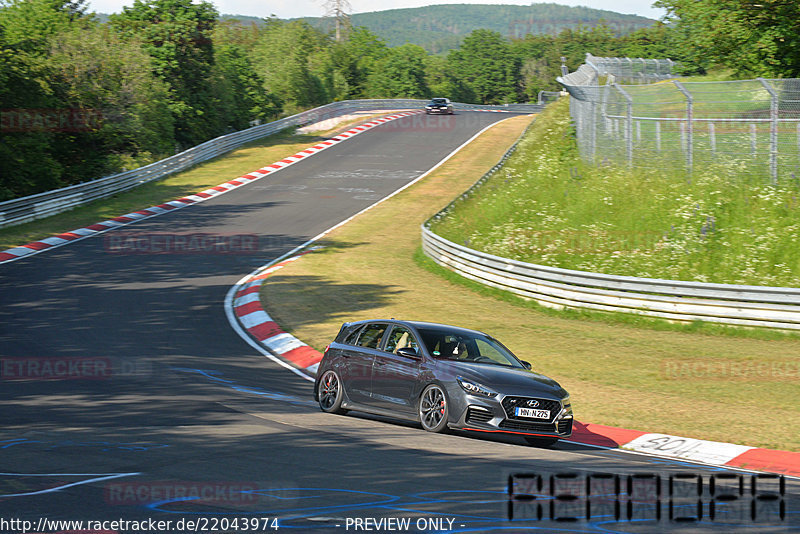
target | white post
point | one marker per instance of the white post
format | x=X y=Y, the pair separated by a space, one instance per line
x=712 y=137
x=773 y=130
x=628 y=124
x=658 y=136
x=683 y=136
x=689 y=120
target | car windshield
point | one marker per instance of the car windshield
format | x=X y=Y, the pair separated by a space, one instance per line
x=462 y=345
x=438 y=101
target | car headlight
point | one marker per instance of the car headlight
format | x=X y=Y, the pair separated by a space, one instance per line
x=565 y=402
x=474 y=388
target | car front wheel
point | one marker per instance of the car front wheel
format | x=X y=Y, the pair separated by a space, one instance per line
x=330 y=393
x=433 y=409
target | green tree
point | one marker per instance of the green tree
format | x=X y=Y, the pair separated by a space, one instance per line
x=285 y=56
x=401 y=74
x=239 y=90
x=98 y=71
x=486 y=64
x=351 y=62
x=177 y=34
x=33 y=156
x=751 y=38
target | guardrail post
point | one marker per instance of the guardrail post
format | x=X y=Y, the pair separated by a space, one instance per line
x=773 y=130
x=628 y=124
x=689 y=124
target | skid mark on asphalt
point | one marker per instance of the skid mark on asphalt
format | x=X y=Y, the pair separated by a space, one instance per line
x=215 y=376
x=29 y=484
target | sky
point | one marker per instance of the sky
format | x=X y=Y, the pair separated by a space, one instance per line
x=313 y=8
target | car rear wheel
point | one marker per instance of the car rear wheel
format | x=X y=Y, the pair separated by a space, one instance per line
x=544 y=443
x=330 y=393
x=433 y=409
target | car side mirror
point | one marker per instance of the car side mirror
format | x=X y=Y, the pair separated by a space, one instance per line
x=408 y=352
x=527 y=365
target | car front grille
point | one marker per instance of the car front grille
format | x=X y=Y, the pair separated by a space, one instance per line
x=476 y=414
x=509 y=403
x=527 y=427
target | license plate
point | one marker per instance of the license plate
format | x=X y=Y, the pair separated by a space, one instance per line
x=530 y=412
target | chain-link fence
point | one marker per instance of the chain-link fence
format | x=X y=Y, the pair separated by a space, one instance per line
x=632 y=70
x=751 y=124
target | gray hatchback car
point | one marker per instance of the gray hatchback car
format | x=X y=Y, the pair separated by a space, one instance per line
x=442 y=376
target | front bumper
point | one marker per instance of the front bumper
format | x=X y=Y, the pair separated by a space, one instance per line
x=489 y=415
x=443 y=111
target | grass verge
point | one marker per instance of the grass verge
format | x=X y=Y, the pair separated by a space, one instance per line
x=548 y=207
x=246 y=159
x=738 y=390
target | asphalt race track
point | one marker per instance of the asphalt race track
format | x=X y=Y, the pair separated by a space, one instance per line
x=167 y=415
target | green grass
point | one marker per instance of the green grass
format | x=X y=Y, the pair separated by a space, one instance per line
x=547 y=207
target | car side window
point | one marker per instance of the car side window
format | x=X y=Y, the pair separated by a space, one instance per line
x=371 y=335
x=352 y=337
x=401 y=337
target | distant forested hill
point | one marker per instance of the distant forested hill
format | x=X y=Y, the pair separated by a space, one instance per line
x=439 y=28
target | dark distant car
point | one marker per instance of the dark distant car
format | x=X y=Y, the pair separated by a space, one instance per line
x=439 y=105
x=442 y=376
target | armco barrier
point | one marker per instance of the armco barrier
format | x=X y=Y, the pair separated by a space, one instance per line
x=775 y=307
x=42 y=205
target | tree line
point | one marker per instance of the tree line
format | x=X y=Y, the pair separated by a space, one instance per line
x=81 y=98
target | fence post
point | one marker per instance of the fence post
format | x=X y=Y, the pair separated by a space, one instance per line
x=773 y=130
x=628 y=124
x=658 y=136
x=712 y=137
x=754 y=138
x=593 y=124
x=690 y=125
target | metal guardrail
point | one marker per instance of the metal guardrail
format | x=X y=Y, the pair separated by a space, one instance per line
x=42 y=205
x=775 y=307
x=741 y=305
